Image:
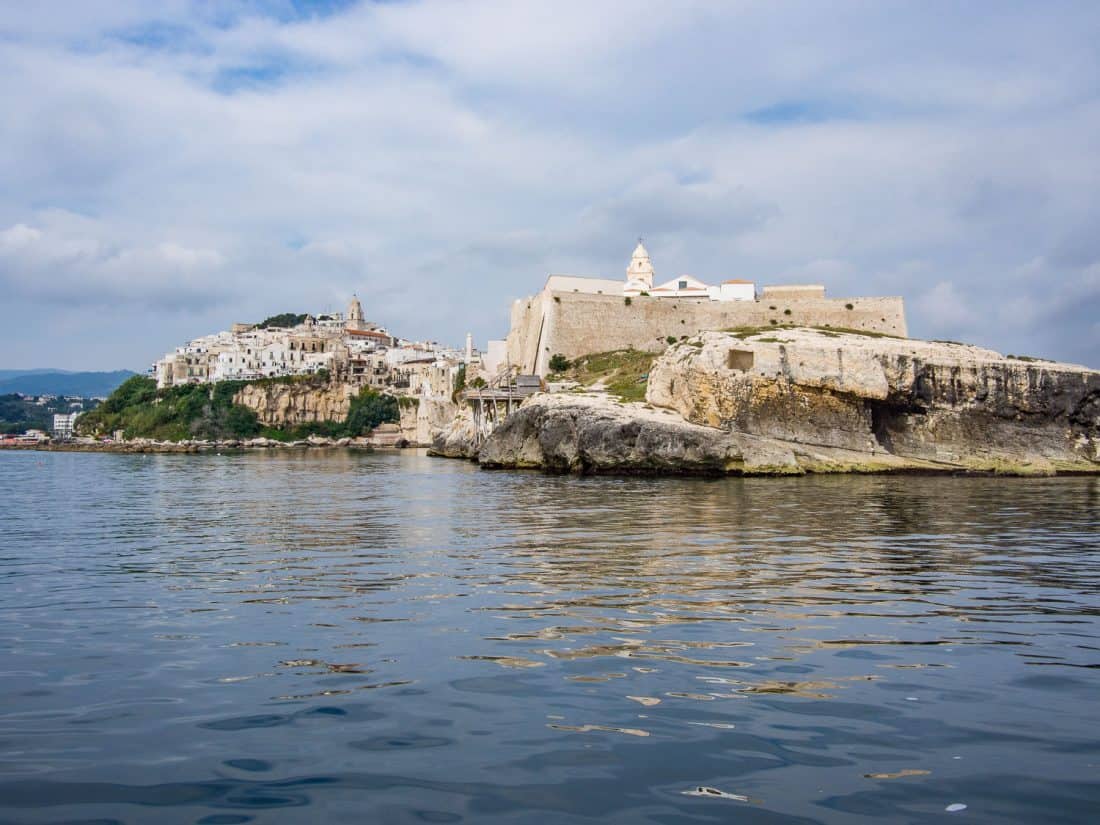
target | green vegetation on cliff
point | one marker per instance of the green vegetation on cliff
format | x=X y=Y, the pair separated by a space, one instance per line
x=140 y=410
x=623 y=373
x=283 y=320
x=207 y=411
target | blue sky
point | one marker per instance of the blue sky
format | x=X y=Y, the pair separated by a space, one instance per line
x=167 y=169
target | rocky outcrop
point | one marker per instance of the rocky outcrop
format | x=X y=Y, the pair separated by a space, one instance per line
x=459 y=439
x=800 y=400
x=589 y=433
x=280 y=404
x=921 y=400
x=434 y=415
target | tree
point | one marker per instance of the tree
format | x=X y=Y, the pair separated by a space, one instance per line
x=369 y=409
x=460 y=382
x=559 y=363
x=283 y=320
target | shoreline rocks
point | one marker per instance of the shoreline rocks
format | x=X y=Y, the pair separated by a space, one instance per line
x=146 y=445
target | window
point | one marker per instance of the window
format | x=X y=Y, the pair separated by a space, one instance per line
x=682 y=285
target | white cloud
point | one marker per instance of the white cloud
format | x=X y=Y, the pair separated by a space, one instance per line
x=440 y=158
x=58 y=265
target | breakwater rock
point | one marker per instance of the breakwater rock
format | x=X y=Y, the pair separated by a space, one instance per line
x=802 y=400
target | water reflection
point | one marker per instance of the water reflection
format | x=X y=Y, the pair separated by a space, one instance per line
x=249 y=635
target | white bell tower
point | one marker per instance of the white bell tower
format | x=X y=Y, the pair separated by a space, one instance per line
x=639 y=275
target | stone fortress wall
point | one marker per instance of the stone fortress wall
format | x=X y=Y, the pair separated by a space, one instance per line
x=578 y=323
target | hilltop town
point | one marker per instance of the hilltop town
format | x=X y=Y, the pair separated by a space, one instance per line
x=346 y=347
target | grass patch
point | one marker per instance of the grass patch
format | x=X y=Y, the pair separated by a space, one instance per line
x=747 y=332
x=832 y=332
x=624 y=372
x=864 y=332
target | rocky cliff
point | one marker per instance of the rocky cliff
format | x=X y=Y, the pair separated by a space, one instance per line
x=434 y=415
x=286 y=404
x=801 y=400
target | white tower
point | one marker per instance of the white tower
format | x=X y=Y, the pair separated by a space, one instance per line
x=639 y=275
x=469 y=347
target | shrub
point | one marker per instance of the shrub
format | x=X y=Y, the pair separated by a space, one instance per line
x=460 y=382
x=627 y=300
x=849 y=306
x=786 y=312
x=559 y=363
x=369 y=409
x=670 y=340
x=283 y=320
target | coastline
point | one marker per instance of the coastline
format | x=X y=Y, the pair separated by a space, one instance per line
x=194 y=447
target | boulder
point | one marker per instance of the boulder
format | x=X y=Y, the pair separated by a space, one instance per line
x=459 y=439
x=593 y=433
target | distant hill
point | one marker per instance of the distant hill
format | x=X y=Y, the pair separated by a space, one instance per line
x=58 y=382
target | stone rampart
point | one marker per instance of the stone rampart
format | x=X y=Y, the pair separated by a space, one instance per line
x=574 y=324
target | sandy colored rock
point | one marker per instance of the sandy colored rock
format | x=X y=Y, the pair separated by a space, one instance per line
x=458 y=439
x=286 y=404
x=947 y=403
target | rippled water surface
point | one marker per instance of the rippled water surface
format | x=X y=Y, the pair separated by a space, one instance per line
x=393 y=638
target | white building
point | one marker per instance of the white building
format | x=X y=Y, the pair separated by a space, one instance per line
x=63 y=424
x=494 y=359
x=640 y=282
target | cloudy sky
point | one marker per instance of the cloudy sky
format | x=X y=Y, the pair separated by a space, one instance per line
x=168 y=168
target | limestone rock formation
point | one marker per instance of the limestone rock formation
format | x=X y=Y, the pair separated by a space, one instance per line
x=803 y=400
x=922 y=400
x=286 y=404
x=458 y=439
x=588 y=433
x=433 y=416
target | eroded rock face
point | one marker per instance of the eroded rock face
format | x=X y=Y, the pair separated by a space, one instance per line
x=433 y=416
x=950 y=404
x=566 y=433
x=587 y=433
x=458 y=439
x=281 y=405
